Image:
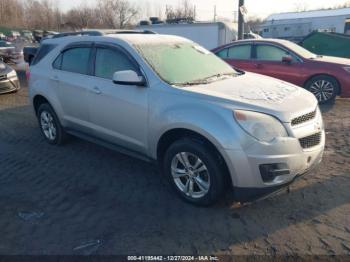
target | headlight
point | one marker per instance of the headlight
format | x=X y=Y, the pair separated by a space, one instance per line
x=12 y=74
x=347 y=68
x=260 y=126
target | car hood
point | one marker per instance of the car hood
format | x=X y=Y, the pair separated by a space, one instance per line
x=333 y=60
x=259 y=93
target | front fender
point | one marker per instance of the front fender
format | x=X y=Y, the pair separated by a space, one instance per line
x=209 y=120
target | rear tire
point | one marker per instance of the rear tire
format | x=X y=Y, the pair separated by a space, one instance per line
x=50 y=126
x=325 y=88
x=194 y=172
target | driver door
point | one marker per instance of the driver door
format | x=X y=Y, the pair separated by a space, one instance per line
x=269 y=61
x=119 y=113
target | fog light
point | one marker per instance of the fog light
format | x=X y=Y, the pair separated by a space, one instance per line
x=270 y=171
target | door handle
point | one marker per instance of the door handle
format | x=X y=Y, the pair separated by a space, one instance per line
x=258 y=65
x=96 y=90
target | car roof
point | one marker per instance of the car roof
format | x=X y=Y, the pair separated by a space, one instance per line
x=247 y=41
x=130 y=38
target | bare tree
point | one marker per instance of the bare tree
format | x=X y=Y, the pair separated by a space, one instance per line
x=116 y=13
x=44 y=14
x=81 y=17
x=186 y=11
x=253 y=23
x=11 y=13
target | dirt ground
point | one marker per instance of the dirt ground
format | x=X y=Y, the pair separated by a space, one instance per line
x=84 y=199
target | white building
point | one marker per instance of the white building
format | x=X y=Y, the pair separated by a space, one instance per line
x=207 y=34
x=297 y=25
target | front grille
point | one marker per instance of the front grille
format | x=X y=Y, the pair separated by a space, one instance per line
x=3 y=77
x=304 y=118
x=310 y=141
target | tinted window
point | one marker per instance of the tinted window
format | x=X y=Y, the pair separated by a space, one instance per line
x=58 y=62
x=270 y=53
x=222 y=53
x=76 y=60
x=109 y=61
x=43 y=51
x=240 y=52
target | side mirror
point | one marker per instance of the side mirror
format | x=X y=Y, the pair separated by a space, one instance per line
x=287 y=59
x=128 y=77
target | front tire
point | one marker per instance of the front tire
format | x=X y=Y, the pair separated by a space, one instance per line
x=195 y=172
x=325 y=88
x=50 y=126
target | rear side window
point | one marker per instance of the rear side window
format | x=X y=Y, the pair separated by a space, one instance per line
x=43 y=51
x=242 y=52
x=109 y=61
x=58 y=62
x=75 y=60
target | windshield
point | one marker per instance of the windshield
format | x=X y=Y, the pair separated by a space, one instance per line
x=184 y=63
x=299 y=50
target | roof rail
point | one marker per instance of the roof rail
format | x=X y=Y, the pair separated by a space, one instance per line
x=101 y=33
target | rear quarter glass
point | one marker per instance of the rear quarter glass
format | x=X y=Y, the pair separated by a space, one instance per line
x=43 y=51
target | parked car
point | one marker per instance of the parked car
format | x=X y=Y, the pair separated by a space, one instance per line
x=27 y=35
x=29 y=53
x=9 y=53
x=167 y=99
x=8 y=79
x=324 y=76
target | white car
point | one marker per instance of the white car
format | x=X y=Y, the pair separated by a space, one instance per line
x=167 y=99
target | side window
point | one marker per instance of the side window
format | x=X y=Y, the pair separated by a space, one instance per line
x=76 y=60
x=222 y=53
x=43 y=51
x=109 y=61
x=242 y=52
x=58 y=62
x=270 y=53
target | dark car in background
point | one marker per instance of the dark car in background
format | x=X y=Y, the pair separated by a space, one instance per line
x=10 y=53
x=8 y=79
x=324 y=76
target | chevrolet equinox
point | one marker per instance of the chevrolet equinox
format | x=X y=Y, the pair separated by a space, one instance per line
x=167 y=99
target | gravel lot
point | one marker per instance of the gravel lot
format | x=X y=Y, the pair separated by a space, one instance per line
x=84 y=199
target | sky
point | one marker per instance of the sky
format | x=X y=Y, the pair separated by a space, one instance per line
x=224 y=8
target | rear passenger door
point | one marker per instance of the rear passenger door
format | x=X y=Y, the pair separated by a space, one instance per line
x=72 y=75
x=238 y=56
x=119 y=112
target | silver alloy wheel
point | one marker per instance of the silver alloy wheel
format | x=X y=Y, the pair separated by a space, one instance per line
x=322 y=89
x=48 y=125
x=190 y=175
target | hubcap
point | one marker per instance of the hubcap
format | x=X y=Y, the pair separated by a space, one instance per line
x=190 y=175
x=48 y=125
x=322 y=89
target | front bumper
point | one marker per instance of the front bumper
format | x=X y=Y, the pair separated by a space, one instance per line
x=9 y=85
x=245 y=165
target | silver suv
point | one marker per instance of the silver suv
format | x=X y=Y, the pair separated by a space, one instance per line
x=165 y=98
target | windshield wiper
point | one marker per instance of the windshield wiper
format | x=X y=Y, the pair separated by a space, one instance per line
x=192 y=83
x=205 y=80
x=220 y=75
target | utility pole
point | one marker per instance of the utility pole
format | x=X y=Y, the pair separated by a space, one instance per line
x=240 y=20
x=215 y=13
